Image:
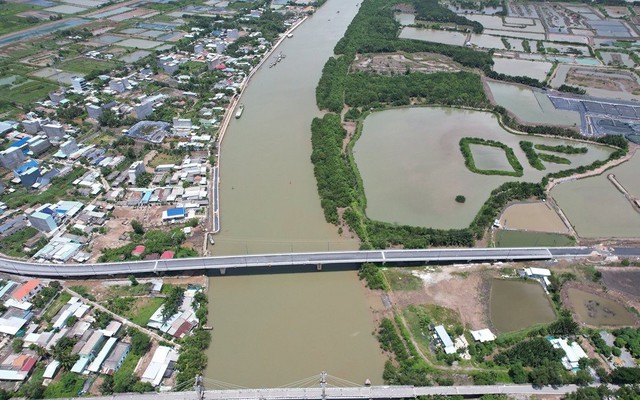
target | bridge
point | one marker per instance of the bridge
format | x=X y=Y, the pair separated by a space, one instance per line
x=345 y=393
x=298 y=261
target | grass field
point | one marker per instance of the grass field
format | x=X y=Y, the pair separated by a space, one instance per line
x=87 y=65
x=68 y=386
x=144 y=309
x=532 y=239
x=402 y=279
x=163 y=158
x=13 y=245
x=12 y=22
x=56 y=306
x=32 y=90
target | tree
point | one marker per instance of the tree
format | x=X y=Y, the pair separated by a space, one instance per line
x=583 y=377
x=460 y=198
x=518 y=374
x=16 y=345
x=140 y=342
x=134 y=281
x=107 y=385
x=137 y=227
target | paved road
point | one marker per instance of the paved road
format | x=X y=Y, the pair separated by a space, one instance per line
x=222 y=264
x=373 y=392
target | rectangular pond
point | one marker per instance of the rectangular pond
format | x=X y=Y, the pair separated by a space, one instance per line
x=517 y=304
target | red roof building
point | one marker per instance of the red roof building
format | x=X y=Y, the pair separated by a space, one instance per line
x=138 y=251
x=167 y=255
x=27 y=290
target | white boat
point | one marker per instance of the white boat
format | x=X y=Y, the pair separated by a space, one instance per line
x=240 y=110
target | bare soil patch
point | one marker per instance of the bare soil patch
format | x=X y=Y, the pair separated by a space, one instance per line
x=398 y=63
x=532 y=216
x=603 y=78
x=460 y=288
x=625 y=280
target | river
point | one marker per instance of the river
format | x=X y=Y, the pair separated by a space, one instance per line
x=270 y=330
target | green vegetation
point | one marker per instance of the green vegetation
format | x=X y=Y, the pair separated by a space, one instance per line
x=29 y=92
x=565 y=149
x=162 y=158
x=12 y=22
x=13 y=245
x=460 y=199
x=465 y=148
x=124 y=380
x=431 y=10
x=368 y=90
x=401 y=279
x=172 y=302
x=56 y=306
x=571 y=89
x=373 y=276
x=409 y=368
x=630 y=392
x=68 y=386
x=511 y=238
x=532 y=156
x=154 y=242
x=334 y=177
x=61 y=187
x=628 y=338
x=552 y=158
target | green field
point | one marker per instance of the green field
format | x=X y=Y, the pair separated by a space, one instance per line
x=12 y=22
x=532 y=239
x=28 y=92
x=144 y=309
x=88 y=65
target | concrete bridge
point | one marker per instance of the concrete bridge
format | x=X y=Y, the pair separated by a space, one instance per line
x=344 y=393
x=261 y=263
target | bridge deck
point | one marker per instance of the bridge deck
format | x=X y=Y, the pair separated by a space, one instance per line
x=268 y=260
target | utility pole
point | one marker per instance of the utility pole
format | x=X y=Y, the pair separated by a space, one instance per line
x=323 y=384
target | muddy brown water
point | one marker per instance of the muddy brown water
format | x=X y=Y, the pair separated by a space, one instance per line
x=516 y=304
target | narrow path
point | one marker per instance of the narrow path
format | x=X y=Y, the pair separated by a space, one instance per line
x=632 y=200
x=124 y=321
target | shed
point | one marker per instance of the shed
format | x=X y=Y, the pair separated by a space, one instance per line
x=444 y=337
x=483 y=335
x=51 y=369
x=138 y=251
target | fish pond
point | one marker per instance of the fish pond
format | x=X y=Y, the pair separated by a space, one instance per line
x=517 y=304
x=412 y=168
x=598 y=311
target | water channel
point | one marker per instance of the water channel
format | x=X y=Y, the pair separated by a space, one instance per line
x=270 y=330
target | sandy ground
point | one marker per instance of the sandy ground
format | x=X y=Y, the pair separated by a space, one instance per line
x=466 y=293
x=534 y=216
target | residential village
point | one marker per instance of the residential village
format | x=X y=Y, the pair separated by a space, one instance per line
x=113 y=155
x=68 y=344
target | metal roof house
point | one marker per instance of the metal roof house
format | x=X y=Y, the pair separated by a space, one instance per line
x=445 y=339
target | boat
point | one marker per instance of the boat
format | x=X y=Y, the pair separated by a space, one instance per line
x=290 y=35
x=207 y=328
x=240 y=110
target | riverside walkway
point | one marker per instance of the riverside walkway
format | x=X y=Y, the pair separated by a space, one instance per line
x=300 y=261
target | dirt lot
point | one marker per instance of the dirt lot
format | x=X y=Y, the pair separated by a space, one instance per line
x=461 y=288
x=602 y=78
x=399 y=63
x=625 y=280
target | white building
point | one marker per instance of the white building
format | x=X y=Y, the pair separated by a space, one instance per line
x=573 y=353
x=42 y=221
x=11 y=157
x=54 y=131
x=135 y=170
x=445 y=339
x=79 y=84
x=160 y=361
x=483 y=335
x=69 y=147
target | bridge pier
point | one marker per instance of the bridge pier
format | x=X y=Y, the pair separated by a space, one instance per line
x=319 y=267
x=223 y=271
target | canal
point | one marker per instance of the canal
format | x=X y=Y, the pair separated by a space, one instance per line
x=270 y=330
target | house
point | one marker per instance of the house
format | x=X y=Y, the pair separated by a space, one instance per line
x=445 y=339
x=137 y=252
x=167 y=255
x=573 y=353
x=51 y=369
x=483 y=335
x=112 y=329
x=115 y=360
x=27 y=290
x=102 y=355
x=537 y=273
x=173 y=214
x=162 y=359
